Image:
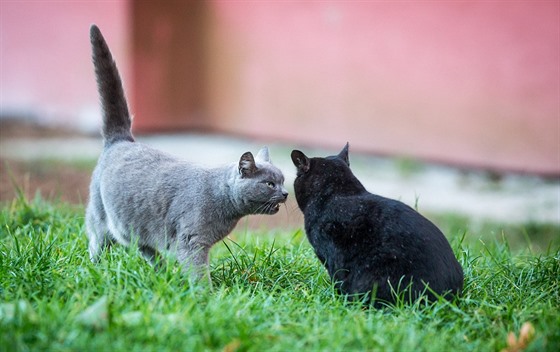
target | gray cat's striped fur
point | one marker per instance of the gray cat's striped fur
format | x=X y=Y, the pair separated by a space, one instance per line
x=142 y=195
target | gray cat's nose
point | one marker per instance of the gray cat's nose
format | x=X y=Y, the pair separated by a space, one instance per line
x=285 y=194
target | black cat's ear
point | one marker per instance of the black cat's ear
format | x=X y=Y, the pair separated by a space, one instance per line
x=300 y=160
x=247 y=164
x=344 y=154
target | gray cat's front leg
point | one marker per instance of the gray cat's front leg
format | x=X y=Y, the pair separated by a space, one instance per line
x=193 y=254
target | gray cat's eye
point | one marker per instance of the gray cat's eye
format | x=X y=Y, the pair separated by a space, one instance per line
x=271 y=184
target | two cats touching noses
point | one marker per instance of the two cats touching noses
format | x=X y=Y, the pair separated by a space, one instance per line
x=373 y=248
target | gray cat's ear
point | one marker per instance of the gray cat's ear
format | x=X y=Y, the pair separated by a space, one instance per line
x=344 y=154
x=263 y=156
x=300 y=160
x=247 y=164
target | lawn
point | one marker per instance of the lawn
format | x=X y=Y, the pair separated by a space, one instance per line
x=270 y=293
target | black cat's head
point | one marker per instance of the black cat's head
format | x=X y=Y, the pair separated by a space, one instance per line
x=320 y=178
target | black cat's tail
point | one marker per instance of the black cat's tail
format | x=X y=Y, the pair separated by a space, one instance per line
x=116 y=118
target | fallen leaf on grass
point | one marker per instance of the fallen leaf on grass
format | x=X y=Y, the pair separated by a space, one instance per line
x=232 y=346
x=526 y=335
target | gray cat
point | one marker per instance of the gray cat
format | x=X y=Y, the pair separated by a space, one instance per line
x=139 y=194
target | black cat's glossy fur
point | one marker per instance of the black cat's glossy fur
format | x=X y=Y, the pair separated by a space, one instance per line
x=369 y=243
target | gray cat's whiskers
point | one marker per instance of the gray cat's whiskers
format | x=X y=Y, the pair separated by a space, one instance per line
x=294 y=209
x=286 y=210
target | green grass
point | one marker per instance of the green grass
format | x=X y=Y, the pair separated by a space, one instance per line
x=270 y=293
x=530 y=237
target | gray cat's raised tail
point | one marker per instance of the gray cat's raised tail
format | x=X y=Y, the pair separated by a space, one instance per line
x=116 y=118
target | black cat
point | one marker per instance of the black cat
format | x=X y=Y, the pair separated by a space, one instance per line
x=371 y=245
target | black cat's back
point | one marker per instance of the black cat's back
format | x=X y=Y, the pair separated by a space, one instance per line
x=370 y=242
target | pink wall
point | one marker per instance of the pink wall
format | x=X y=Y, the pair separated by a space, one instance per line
x=472 y=83
x=45 y=57
x=468 y=83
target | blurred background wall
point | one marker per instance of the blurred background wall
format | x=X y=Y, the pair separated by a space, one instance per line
x=46 y=73
x=467 y=83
